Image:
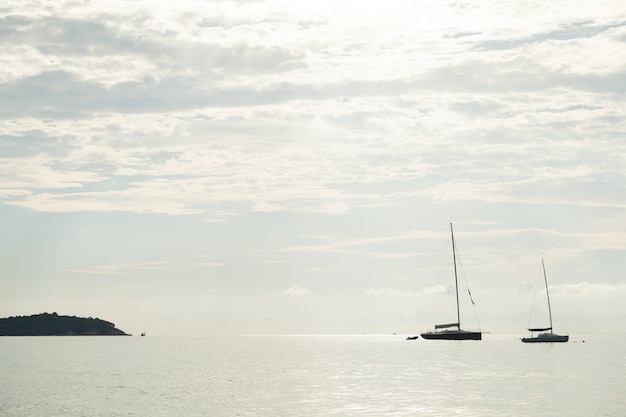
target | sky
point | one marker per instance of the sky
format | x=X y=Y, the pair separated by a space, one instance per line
x=293 y=167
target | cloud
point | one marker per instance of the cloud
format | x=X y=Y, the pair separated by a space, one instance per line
x=117 y=269
x=586 y=289
x=352 y=245
x=296 y=291
x=435 y=289
x=291 y=126
x=394 y=292
x=132 y=200
x=386 y=291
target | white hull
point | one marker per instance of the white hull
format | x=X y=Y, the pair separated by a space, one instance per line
x=546 y=338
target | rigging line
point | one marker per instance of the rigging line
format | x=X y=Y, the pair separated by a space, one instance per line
x=435 y=313
x=472 y=300
x=460 y=263
x=535 y=292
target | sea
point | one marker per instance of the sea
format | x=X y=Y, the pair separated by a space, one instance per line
x=333 y=375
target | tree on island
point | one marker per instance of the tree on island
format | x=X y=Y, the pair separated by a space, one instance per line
x=46 y=324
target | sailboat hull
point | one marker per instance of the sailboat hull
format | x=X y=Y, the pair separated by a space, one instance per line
x=452 y=335
x=546 y=338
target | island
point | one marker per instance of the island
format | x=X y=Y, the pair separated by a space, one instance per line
x=46 y=324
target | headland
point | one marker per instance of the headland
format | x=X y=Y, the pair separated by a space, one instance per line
x=52 y=324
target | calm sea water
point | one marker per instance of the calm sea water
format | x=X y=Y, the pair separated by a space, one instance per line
x=310 y=376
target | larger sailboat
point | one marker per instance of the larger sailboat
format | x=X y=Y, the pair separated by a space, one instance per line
x=548 y=336
x=452 y=331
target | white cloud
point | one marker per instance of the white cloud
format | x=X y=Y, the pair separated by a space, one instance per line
x=296 y=291
x=436 y=289
x=389 y=291
x=586 y=289
x=352 y=245
x=384 y=291
x=115 y=269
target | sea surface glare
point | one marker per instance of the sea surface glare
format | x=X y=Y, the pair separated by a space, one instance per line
x=302 y=376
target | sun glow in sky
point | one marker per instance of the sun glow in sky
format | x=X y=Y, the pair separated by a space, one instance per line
x=215 y=167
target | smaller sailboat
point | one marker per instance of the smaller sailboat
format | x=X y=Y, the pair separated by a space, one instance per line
x=548 y=336
x=452 y=331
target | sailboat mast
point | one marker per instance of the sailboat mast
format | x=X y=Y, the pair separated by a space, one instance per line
x=456 y=281
x=547 y=293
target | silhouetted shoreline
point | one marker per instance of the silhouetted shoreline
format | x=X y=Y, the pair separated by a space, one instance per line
x=46 y=324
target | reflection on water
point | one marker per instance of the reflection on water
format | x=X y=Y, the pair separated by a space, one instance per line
x=309 y=376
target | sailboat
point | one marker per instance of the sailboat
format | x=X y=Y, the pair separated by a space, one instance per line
x=452 y=331
x=548 y=336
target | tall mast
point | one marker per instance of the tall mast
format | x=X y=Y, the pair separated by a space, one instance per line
x=456 y=282
x=547 y=293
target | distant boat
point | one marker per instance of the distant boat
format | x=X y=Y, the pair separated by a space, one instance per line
x=412 y=337
x=143 y=333
x=452 y=331
x=549 y=336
